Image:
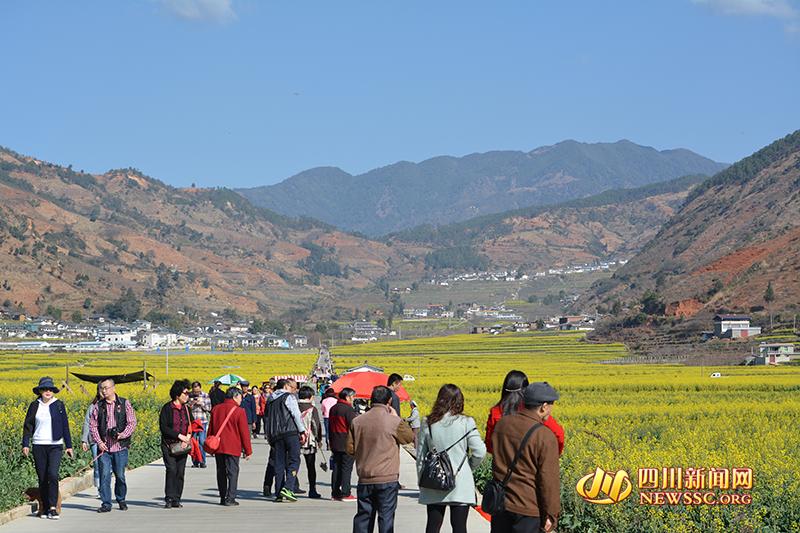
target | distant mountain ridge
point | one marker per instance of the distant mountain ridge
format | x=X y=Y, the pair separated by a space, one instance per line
x=614 y=224
x=448 y=189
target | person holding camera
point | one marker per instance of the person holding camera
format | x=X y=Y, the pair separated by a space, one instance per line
x=111 y=426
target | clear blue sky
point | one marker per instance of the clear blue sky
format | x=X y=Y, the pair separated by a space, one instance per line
x=249 y=92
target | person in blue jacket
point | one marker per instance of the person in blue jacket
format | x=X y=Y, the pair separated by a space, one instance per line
x=46 y=428
x=249 y=405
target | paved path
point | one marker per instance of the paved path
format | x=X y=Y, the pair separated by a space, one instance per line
x=202 y=512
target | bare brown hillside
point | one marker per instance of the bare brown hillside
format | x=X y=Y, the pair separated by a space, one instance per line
x=67 y=236
x=739 y=232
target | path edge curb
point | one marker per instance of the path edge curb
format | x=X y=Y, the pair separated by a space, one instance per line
x=67 y=486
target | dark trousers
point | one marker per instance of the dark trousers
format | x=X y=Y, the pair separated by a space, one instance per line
x=47 y=459
x=116 y=463
x=508 y=522
x=458 y=518
x=176 y=469
x=378 y=500
x=269 y=473
x=287 y=462
x=311 y=467
x=227 y=476
x=340 y=474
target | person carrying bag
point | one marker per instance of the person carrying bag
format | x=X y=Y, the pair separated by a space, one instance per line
x=494 y=494
x=175 y=421
x=448 y=438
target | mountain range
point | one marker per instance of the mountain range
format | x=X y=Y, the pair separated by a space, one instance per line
x=77 y=241
x=447 y=189
x=737 y=235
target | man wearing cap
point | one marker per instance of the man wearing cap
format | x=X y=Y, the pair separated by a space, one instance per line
x=533 y=491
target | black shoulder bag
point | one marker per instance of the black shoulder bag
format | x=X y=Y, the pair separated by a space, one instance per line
x=494 y=494
x=437 y=471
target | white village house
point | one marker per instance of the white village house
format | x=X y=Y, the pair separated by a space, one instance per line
x=734 y=327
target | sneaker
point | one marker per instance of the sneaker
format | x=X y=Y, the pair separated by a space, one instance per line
x=348 y=498
x=289 y=495
x=267 y=493
x=231 y=503
x=299 y=491
x=314 y=495
x=202 y=465
x=168 y=504
x=123 y=506
x=53 y=514
x=104 y=509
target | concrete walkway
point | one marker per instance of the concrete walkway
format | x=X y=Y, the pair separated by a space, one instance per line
x=202 y=512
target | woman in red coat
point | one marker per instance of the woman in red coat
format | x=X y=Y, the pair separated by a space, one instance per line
x=229 y=423
x=511 y=402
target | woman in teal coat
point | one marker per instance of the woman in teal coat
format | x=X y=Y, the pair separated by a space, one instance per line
x=447 y=427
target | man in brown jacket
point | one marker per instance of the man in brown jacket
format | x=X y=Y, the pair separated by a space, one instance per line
x=373 y=439
x=533 y=491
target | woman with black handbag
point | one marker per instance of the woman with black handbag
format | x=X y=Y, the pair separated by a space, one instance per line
x=176 y=441
x=450 y=447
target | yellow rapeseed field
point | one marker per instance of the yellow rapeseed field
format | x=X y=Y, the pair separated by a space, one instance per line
x=628 y=417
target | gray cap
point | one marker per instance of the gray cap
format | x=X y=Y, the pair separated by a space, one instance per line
x=539 y=392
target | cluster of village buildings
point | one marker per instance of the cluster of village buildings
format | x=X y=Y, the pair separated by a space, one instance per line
x=514 y=275
x=44 y=334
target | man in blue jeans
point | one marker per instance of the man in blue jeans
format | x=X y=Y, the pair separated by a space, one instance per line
x=373 y=439
x=111 y=426
x=285 y=432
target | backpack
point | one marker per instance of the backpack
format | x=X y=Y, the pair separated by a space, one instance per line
x=437 y=471
x=280 y=422
x=494 y=494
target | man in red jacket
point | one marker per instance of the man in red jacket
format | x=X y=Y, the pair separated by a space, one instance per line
x=234 y=437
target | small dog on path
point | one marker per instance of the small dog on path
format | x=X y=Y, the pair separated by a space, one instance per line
x=34 y=495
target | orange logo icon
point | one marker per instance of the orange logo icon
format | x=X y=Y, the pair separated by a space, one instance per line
x=605 y=487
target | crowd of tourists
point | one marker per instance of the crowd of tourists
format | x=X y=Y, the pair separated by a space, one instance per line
x=522 y=497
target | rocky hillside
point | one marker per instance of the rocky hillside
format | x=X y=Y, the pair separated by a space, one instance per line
x=615 y=224
x=73 y=241
x=738 y=233
x=450 y=189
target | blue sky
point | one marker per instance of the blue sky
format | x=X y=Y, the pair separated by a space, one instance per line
x=247 y=92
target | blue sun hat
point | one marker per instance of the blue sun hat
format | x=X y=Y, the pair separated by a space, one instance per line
x=45 y=383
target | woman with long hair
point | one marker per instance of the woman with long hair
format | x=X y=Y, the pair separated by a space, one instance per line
x=175 y=422
x=46 y=428
x=446 y=428
x=511 y=402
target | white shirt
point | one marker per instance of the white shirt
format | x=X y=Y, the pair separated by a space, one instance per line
x=43 y=429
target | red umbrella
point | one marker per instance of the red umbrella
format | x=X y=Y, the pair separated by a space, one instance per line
x=364 y=382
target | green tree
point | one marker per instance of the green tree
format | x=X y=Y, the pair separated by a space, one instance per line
x=76 y=317
x=769 y=297
x=257 y=326
x=652 y=303
x=54 y=312
x=127 y=307
x=87 y=303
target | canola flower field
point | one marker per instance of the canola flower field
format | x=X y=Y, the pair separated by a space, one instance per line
x=628 y=417
x=615 y=416
x=20 y=372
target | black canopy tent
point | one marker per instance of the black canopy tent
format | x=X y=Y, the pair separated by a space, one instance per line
x=132 y=377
